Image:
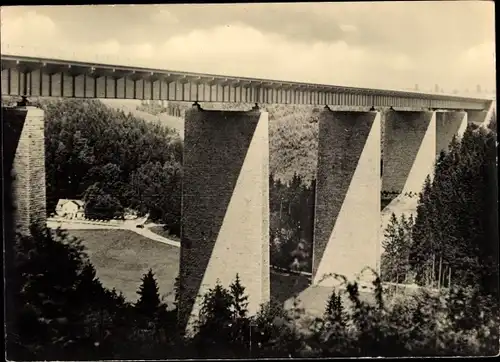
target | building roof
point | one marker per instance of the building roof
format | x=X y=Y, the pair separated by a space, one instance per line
x=62 y=202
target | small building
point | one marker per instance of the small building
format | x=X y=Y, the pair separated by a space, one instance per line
x=70 y=209
x=130 y=214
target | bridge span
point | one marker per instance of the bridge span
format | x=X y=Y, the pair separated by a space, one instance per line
x=225 y=193
x=32 y=76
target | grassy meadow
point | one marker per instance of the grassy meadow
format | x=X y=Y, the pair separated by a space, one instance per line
x=122 y=257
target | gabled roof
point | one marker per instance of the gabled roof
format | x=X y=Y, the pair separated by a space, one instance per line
x=62 y=202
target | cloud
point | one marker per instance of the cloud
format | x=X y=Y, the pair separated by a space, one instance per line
x=221 y=51
x=108 y=47
x=475 y=65
x=482 y=54
x=366 y=44
x=144 y=51
x=348 y=28
x=30 y=27
x=164 y=17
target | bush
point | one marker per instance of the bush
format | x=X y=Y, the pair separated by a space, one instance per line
x=423 y=324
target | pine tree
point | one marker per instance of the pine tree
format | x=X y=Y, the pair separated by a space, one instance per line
x=216 y=324
x=176 y=291
x=149 y=298
x=421 y=250
x=216 y=310
x=397 y=244
x=334 y=313
x=60 y=303
x=493 y=123
x=241 y=324
x=239 y=299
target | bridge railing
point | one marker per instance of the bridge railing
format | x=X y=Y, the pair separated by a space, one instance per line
x=45 y=71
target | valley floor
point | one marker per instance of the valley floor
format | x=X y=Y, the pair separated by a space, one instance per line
x=122 y=257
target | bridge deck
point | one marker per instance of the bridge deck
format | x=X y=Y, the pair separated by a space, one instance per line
x=30 y=76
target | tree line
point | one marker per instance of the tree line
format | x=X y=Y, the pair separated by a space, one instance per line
x=115 y=161
x=453 y=238
x=59 y=310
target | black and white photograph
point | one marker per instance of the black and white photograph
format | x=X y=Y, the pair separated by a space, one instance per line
x=249 y=180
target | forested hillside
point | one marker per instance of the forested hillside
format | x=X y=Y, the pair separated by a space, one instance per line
x=116 y=161
x=151 y=112
x=453 y=238
x=293 y=136
x=291 y=223
x=112 y=160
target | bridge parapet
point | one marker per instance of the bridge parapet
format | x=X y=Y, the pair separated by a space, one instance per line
x=43 y=77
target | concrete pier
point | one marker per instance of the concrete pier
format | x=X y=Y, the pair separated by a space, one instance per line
x=409 y=150
x=225 y=207
x=449 y=125
x=347 y=221
x=24 y=165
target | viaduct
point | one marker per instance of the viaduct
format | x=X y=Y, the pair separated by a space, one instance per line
x=225 y=197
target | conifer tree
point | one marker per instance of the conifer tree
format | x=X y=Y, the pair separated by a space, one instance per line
x=57 y=296
x=216 y=310
x=149 y=297
x=239 y=299
x=334 y=313
x=396 y=244
x=454 y=229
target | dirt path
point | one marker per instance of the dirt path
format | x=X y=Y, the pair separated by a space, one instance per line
x=75 y=225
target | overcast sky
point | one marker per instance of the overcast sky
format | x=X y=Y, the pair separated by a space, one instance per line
x=386 y=44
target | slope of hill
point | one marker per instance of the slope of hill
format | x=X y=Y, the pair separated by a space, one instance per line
x=130 y=105
x=293 y=141
x=293 y=132
x=122 y=257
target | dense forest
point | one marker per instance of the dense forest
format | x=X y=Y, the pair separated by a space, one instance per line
x=453 y=238
x=113 y=161
x=291 y=223
x=137 y=165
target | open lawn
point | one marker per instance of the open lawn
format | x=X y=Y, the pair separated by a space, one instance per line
x=122 y=257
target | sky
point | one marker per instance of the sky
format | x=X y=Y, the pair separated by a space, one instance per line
x=393 y=45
